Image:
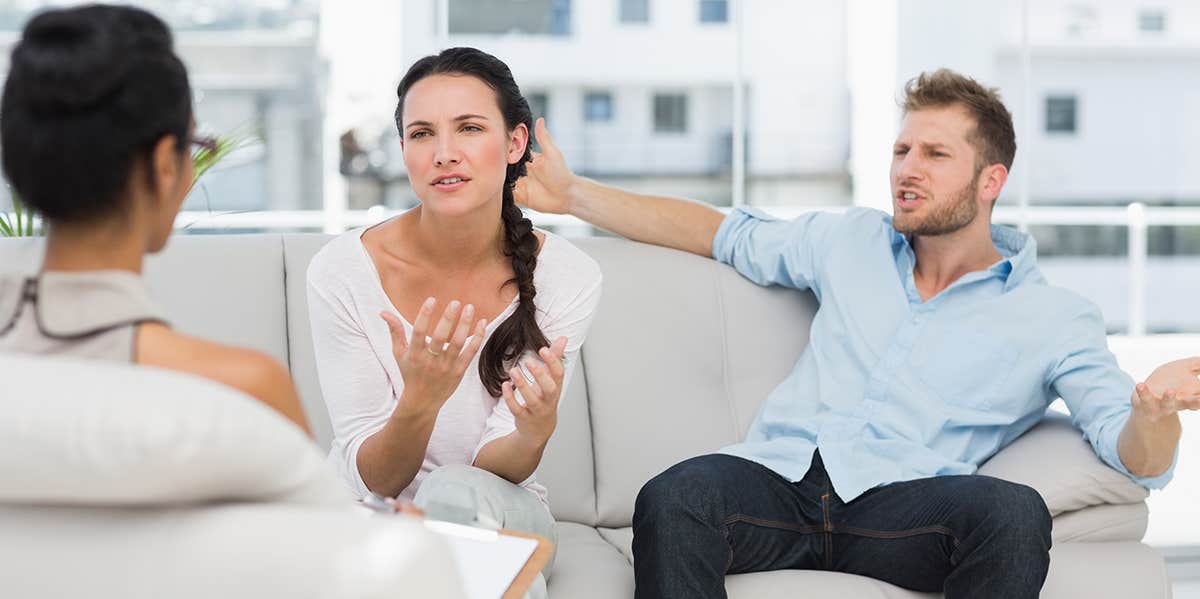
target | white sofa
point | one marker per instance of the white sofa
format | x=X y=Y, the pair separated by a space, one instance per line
x=680 y=355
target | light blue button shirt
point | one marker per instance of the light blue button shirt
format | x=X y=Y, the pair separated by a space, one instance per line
x=891 y=388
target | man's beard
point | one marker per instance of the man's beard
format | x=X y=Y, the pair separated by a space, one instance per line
x=944 y=220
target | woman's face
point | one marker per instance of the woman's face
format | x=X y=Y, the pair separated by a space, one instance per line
x=456 y=146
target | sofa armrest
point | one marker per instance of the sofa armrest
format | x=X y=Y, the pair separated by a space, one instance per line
x=1054 y=459
x=232 y=550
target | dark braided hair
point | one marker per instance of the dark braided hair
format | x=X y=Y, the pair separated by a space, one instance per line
x=520 y=333
x=89 y=92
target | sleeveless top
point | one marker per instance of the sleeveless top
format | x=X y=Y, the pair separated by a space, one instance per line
x=92 y=314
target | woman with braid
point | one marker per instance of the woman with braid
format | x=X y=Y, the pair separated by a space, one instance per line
x=445 y=336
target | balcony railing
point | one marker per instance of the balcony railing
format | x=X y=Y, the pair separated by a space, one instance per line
x=1137 y=217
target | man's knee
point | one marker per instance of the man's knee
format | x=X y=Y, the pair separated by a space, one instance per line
x=1016 y=511
x=689 y=487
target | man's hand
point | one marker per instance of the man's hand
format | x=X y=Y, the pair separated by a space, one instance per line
x=1171 y=388
x=549 y=185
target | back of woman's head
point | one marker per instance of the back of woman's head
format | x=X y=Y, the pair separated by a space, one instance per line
x=90 y=90
x=520 y=333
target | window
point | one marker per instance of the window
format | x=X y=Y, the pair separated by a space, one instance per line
x=539 y=104
x=544 y=17
x=1152 y=21
x=597 y=106
x=1060 y=114
x=714 y=11
x=670 y=113
x=635 y=11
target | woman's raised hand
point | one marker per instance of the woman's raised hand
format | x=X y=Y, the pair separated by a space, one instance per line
x=432 y=369
x=537 y=417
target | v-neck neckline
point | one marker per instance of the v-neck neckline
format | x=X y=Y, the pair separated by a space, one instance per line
x=366 y=255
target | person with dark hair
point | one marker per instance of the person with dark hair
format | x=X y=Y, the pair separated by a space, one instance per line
x=96 y=127
x=445 y=336
x=937 y=342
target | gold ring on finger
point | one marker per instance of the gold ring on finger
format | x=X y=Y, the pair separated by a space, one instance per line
x=434 y=353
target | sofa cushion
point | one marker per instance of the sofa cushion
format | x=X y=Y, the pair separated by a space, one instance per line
x=1102 y=523
x=677 y=365
x=225 y=288
x=298 y=250
x=1073 y=573
x=230 y=551
x=566 y=468
x=96 y=433
x=1053 y=458
x=588 y=567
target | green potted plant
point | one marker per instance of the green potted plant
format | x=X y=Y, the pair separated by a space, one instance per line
x=20 y=224
x=211 y=150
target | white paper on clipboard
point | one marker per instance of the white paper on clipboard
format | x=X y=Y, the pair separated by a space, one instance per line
x=487 y=561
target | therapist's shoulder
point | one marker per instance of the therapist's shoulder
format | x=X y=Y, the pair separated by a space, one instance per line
x=250 y=371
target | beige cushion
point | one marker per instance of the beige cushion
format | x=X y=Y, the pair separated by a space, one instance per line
x=1054 y=459
x=680 y=355
x=1126 y=522
x=298 y=251
x=1131 y=570
x=588 y=567
x=227 y=551
x=95 y=433
x=224 y=288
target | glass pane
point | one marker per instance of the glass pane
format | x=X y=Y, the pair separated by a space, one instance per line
x=1060 y=114
x=597 y=106
x=714 y=11
x=1152 y=21
x=635 y=11
x=526 y=17
x=670 y=113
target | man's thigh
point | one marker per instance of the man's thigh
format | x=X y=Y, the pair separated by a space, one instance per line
x=768 y=522
x=914 y=533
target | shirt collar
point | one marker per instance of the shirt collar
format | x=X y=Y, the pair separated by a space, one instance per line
x=1019 y=252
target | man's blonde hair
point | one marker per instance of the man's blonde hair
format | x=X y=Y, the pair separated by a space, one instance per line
x=993 y=138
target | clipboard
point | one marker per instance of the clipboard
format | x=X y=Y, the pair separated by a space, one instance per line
x=482 y=568
x=535 y=564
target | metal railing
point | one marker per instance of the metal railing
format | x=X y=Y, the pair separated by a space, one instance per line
x=1137 y=217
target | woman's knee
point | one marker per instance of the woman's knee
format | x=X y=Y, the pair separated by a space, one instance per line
x=456 y=483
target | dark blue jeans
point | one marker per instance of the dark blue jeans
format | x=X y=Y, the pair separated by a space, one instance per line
x=967 y=536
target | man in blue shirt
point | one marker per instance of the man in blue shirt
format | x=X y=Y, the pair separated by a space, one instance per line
x=937 y=343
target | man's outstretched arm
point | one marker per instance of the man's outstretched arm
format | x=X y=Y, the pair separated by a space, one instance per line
x=1148 y=440
x=551 y=187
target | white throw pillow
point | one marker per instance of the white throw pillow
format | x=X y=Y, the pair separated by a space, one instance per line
x=1054 y=459
x=76 y=432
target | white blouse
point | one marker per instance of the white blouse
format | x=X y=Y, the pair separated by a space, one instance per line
x=361 y=382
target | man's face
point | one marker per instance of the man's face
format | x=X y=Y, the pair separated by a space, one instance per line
x=935 y=184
